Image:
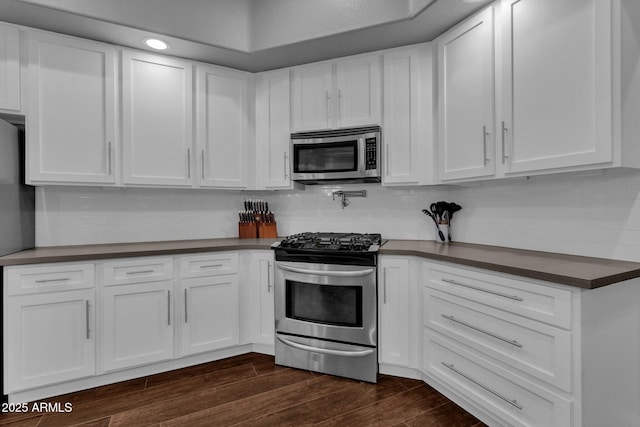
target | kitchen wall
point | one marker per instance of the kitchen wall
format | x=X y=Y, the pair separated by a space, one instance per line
x=589 y=214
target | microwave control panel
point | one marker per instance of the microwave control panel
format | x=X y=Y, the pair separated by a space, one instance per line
x=371 y=154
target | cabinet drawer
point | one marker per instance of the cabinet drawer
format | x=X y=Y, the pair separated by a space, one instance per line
x=517 y=401
x=208 y=264
x=526 y=298
x=140 y=270
x=535 y=348
x=49 y=278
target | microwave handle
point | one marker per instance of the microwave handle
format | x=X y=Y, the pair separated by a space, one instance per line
x=362 y=151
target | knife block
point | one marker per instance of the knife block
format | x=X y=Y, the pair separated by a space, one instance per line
x=267 y=229
x=247 y=230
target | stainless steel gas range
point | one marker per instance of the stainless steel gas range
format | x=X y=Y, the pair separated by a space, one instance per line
x=325 y=303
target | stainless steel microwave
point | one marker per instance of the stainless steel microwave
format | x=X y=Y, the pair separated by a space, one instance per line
x=342 y=155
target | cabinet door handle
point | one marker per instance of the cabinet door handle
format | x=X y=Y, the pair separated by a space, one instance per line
x=269 y=285
x=286 y=158
x=485 y=134
x=386 y=157
x=86 y=313
x=109 y=161
x=512 y=402
x=475 y=328
x=169 y=308
x=203 y=165
x=61 y=279
x=500 y=294
x=384 y=285
x=139 y=272
x=340 y=104
x=504 y=147
x=326 y=104
x=186 y=316
x=188 y=163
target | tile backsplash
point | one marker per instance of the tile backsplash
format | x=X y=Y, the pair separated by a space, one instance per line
x=594 y=215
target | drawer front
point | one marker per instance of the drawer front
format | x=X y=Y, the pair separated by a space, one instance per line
x=530 y=299
x=212 y=264
x=140 y=270
x=511 y=398
x=49 y=278
x=535 y=348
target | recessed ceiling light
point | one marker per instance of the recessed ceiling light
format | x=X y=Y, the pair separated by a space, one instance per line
x=156 y=44
x=471 y=1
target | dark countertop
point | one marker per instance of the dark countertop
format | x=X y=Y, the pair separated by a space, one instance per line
x=578 y=271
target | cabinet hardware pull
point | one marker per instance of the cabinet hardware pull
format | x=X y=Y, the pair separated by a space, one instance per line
x=139 y=272
x=109 y=158
x=512 y=402
x=475 y=328
x=485 y=134
x=211 y=266
x=203 y=165
x=186 y=317
x=513 y=297
x=384 y=285
x=286 y=175
x=188 y=163
x=340 y=104
x=86 y=313
x=504 y=150
x=326 y=104
x=169 y=308
x=61 y=279
x=386 y=158
x=269 y=285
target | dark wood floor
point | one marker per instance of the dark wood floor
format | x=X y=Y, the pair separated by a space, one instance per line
x=250 y=390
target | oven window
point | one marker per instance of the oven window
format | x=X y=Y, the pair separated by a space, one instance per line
x=327 y=157
x=330 y=305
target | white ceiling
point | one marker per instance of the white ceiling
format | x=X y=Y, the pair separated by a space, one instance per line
x=252 y=35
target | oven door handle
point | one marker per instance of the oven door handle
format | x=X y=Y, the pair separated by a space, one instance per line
x=347 y=353
x=333 y=273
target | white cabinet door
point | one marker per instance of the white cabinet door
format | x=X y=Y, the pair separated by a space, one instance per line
x=312 y=97
x=273 y=129
x=10 y=86
x=557 y=83
x=157 y=120
x=466 y=99
x=210 y=313
x=393 y=309
x=71 y=109
x=50 y=338
x=407 y=116
x=262 y=284
x=137 y=324
x=223 y=127
x=358 y=91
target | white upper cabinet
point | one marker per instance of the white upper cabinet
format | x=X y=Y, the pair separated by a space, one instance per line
x=466 y=99
x=408 y=117
x=157 y=120
x=10 y=96
x=358 y=91
x=556 y=84
x=273 y=129
x=70 y=123
x=329 y=95
x=223 y=127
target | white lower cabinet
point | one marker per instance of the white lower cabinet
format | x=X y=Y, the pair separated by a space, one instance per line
x=137 y=324
x=210 y=315
x=49 y=338
x=262 y=290
x=393 y=311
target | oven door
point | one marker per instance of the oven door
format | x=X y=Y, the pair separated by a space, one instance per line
x=328 y=158
x=326 y=301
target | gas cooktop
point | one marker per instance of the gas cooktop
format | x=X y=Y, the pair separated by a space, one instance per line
x=344 y=242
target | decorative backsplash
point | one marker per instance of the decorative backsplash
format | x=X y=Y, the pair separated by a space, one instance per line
x=594 y=215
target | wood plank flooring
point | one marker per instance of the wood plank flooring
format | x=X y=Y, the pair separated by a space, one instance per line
x=250 y=390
